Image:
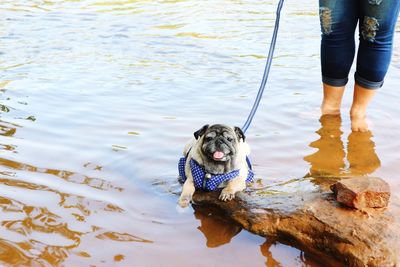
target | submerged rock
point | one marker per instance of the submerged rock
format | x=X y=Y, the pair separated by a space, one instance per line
x=305 y=214
x=362 y=192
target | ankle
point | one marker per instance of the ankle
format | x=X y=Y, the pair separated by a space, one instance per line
x=331 y=106
x=332 y=100
x=329 y=109
x=357 y=112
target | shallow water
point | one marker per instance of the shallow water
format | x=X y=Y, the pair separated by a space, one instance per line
x=98 y=98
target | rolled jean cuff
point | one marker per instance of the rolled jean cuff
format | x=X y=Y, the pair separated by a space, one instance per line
x=367 y=84
x=335 y=82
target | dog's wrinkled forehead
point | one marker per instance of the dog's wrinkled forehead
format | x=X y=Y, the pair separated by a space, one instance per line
x=219 y=129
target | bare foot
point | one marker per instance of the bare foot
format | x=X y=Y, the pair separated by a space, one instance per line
x=361 y=98
x=358 y=121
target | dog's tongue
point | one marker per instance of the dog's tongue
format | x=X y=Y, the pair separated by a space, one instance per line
x=218 y=155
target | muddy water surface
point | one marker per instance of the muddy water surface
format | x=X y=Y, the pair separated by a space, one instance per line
x=99 y=97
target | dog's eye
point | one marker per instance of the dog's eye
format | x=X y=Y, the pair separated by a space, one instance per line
x=230 y=139
x=208 y=138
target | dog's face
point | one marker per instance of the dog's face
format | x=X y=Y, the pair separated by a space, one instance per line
x=219 y=144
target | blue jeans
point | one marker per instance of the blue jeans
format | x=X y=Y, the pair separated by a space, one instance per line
x=339 y=18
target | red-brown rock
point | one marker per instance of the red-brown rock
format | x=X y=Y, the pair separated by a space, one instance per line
x=362 y=192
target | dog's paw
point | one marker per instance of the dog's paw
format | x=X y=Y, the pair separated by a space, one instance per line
x=227 y=194
x=184 y=201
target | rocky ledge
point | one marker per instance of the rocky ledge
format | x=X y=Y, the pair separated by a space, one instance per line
x=305 y=214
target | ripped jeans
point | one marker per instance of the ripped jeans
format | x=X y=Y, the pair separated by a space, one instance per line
x=339 y=18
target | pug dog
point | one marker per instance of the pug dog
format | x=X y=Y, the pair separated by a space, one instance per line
x=217 y=157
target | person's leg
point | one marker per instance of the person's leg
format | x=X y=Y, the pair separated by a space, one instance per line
x=361 y=98
x=332 y=99
x=377 y=24
x=338 y=20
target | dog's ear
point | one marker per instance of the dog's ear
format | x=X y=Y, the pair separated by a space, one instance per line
x=239 y=133
x=197 y=134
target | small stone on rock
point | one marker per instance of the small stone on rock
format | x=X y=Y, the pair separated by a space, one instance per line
x=362 y=192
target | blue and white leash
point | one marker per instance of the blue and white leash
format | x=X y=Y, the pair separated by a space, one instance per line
x=266 y=70
x=210 y=182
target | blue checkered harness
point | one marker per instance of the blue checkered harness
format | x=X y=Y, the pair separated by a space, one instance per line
x=206 y=182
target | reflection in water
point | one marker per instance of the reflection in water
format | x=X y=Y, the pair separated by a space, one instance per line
x=219 y=231
x=330 y=158
x=7 y=129
x=266 y=251
x=41 y=225
x=361 y=154
x=270 y=250
x=37 y=234
x=216 y=229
